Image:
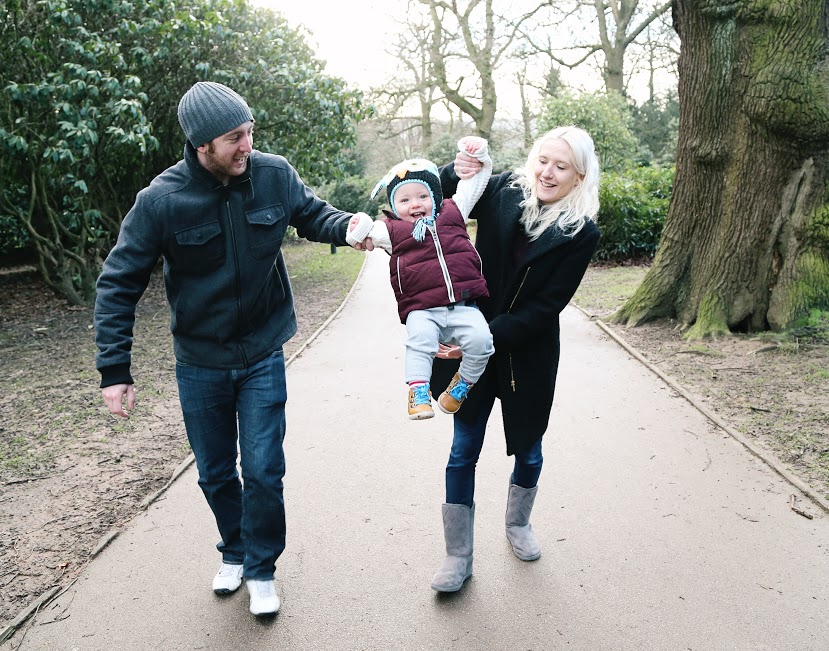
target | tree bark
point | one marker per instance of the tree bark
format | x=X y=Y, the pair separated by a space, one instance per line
x=746 y=239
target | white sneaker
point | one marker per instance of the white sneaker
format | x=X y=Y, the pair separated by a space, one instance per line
x=228 y=579
x=263 y=597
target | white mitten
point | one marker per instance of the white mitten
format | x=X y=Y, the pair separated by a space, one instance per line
x=483 y=149
x=361 y=230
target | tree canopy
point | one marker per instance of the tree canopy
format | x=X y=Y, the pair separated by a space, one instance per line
x=88 y=99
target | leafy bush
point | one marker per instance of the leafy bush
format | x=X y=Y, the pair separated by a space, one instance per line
x=352 y=195
x=443 y=149
x=813 y=326
x=606 y=117
x=634 y=204
x=80 y=136
x=13 y=237
x=656 y=125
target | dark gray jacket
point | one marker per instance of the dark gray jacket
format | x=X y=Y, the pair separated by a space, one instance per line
x=227 y=285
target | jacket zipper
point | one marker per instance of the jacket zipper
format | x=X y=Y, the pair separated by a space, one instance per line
x=442 y=261
x=238 y=274
x=511 y=374
x=518 y=291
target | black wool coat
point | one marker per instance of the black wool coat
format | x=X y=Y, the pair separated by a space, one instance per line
x=523 y=307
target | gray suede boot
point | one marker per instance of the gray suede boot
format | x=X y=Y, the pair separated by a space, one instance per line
x=519 y=530
x=456 y=568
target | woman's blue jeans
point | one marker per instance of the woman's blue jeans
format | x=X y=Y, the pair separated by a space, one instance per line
x=466 y=448
x=251 y=519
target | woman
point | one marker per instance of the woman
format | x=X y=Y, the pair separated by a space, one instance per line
x=536 y=236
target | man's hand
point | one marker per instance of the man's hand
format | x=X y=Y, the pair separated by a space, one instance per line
x=358 y=228
x=365 y=245
x=114 y=399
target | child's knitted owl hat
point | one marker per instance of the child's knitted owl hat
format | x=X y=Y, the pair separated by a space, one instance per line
x=414 y=170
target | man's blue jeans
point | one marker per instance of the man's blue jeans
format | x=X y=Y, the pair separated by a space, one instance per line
x=467 y=443
x=251 y=520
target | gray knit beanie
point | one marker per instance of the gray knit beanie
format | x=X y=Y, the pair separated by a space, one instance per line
x=209 y=109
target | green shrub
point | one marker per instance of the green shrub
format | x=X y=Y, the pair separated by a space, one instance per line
x=605 y=116
x=352 y=194
x=13 y=236
x=813 y=326
x=634 y=204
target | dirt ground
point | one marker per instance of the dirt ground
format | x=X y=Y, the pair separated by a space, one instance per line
x=70 y=473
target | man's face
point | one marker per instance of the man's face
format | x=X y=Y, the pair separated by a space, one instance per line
x=227 y=155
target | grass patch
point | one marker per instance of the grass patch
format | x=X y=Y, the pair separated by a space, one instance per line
x=605 y=289
x=19 y=457
x=311 y=264
x=817 y=374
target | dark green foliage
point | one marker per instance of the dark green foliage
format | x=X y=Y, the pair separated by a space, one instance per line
x=88 y=98
x=13 y=236
x=814 y=326
x=443 y=149
x=605 y=116
x=352 y=191
x=634 y=204
x=656 y=125
x=352 y=195
x=72 y=121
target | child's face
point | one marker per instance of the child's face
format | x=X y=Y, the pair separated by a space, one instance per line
x=412 y=201
x=555 y=173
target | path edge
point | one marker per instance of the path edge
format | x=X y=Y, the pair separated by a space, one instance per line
x=767 y=457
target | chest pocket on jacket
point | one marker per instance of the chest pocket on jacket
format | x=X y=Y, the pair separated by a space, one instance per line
x=200 y=248
x=267 y=227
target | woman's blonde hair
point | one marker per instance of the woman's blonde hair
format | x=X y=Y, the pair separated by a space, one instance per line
x=571 y=212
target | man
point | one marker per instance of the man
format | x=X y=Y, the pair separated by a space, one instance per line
x=218 y=218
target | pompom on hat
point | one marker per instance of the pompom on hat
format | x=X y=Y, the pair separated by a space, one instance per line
x=210 y=109
x=413 y=170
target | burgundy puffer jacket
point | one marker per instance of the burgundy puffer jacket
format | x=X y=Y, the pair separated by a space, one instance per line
x=444 y=268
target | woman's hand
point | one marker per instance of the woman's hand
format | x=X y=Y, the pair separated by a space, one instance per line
x=448 y=352
x=466 y=166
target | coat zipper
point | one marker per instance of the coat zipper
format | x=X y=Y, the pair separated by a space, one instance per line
x=511 y=374
x=518 y=291
x=442 y=261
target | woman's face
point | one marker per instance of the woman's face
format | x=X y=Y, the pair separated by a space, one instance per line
x=555 y=173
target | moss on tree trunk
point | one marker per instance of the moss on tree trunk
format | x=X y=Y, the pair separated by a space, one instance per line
x=746 y=240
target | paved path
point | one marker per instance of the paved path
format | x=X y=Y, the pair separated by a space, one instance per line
x=659 y=532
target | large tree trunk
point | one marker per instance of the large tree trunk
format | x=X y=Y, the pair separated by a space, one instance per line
x=746 y=240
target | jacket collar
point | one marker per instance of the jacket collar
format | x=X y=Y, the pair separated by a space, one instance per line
x=201 y=175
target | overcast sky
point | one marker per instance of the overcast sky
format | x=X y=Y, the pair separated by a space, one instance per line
x=351 y=36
